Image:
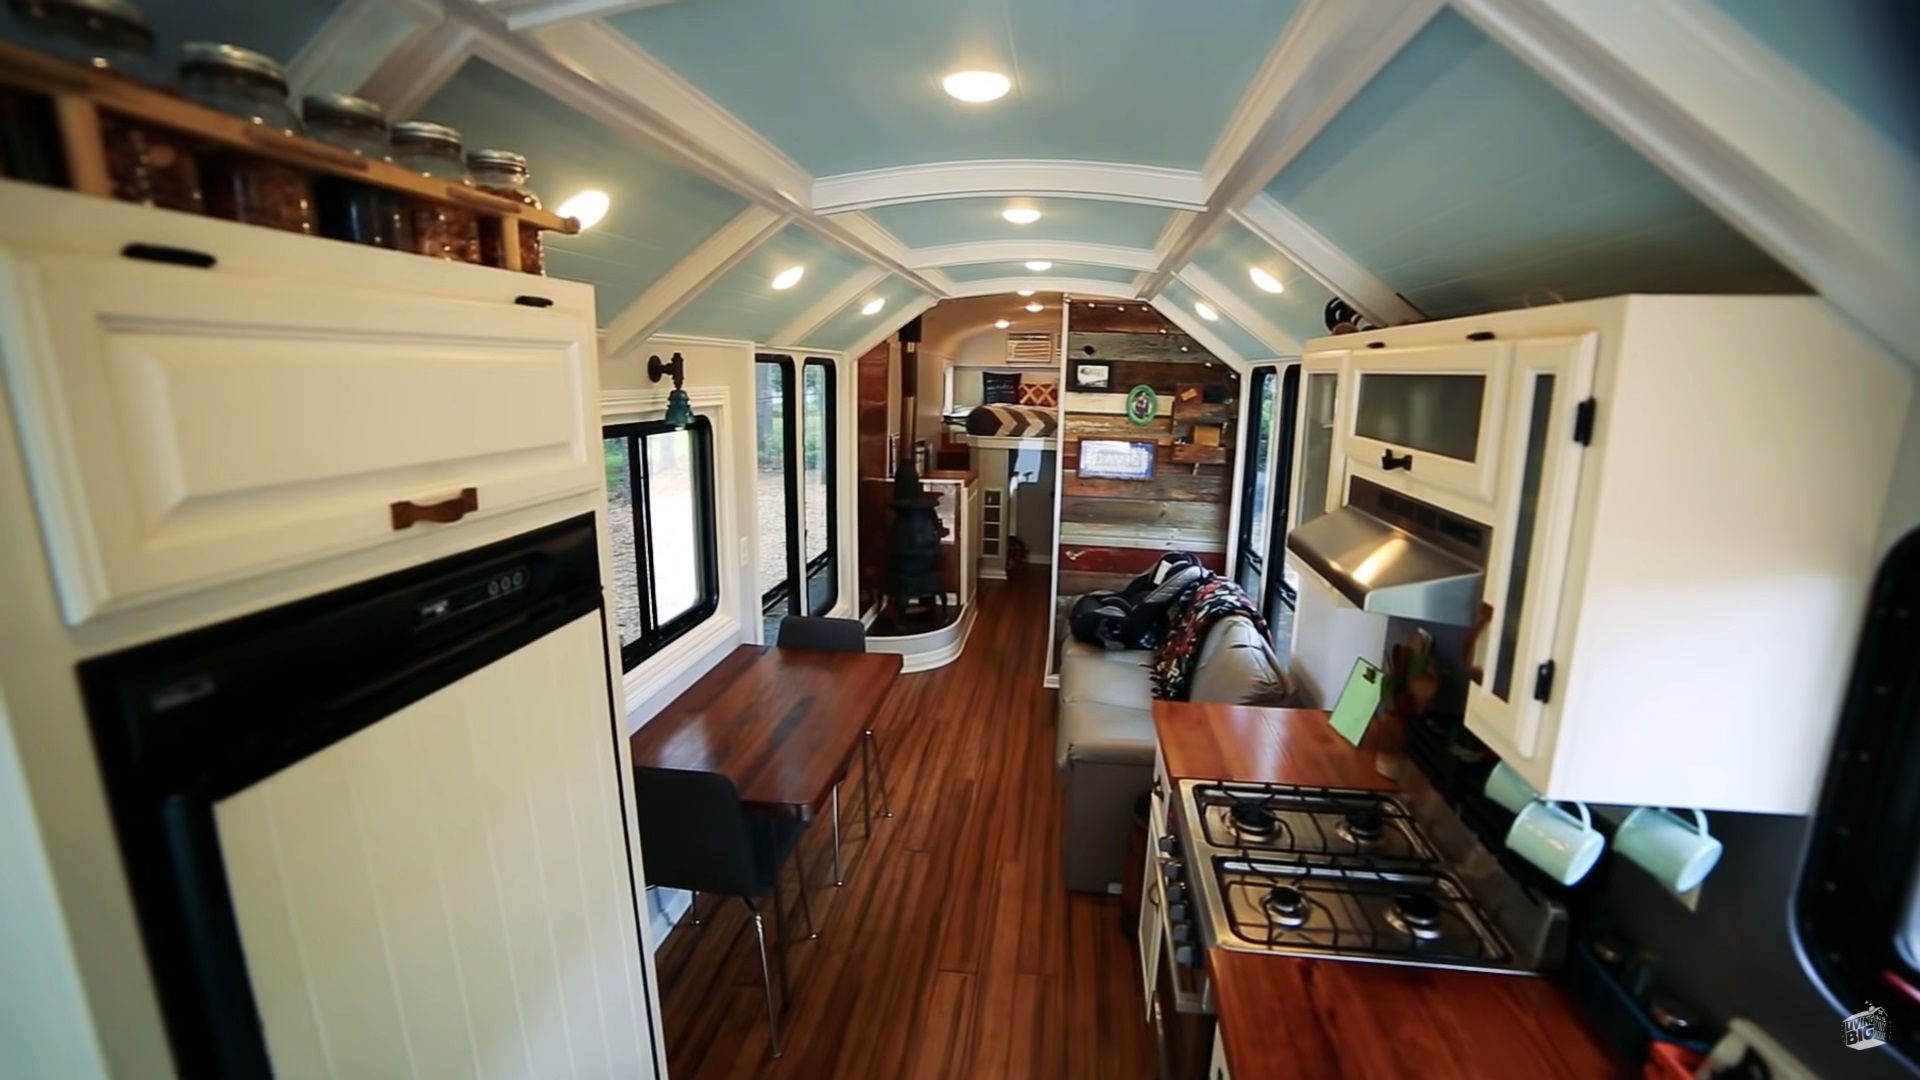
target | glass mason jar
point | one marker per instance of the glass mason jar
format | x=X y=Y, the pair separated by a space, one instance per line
x=504 y=173
x=145 y=164
x=349 y=210
x=439 y=229
x=241 y=186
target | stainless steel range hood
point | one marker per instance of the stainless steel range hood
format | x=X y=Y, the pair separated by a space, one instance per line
x=1410 y=561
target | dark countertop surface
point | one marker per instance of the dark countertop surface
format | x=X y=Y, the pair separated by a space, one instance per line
x=1291 y=1018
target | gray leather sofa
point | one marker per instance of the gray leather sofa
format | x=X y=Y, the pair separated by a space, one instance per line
x=1105 y=743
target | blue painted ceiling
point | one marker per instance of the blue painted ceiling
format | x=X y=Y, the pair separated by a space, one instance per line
x=1298 y=310
x=850 y=326
x=1236 y=337
x=847 y=85
x=1088 y=271
x=1468 y=184
x=744 y=304
x=658 y=212
x=954 y=221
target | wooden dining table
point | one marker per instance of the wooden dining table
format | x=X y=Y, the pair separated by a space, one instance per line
x=781 y=723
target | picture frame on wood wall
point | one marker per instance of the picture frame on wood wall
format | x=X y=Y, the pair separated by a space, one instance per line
x=1116 y=459
x=1094 y=376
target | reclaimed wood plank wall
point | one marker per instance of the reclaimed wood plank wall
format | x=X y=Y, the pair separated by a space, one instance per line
x=1111 y=530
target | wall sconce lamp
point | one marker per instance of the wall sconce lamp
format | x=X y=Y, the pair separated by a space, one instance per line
x=679 y=406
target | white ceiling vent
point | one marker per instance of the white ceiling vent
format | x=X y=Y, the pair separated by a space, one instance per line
x=1031 y=348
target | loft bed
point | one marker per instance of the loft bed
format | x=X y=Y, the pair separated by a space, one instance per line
x=1010 y=427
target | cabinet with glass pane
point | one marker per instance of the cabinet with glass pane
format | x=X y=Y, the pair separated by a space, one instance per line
x=1431 y=415
x=1316 y=465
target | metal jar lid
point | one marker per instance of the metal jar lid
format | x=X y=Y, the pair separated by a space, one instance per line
x=426 y=131
x=497 y=159
x=345 y=106
x=114 y=22
x=232 y=58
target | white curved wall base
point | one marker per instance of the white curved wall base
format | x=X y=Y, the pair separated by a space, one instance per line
x=933 y=649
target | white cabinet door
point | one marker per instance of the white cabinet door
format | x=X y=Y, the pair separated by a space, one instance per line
x=184 y=427
x=1433 y=415
x=1151 y=895
x=1533 y=530
x=1316 y=450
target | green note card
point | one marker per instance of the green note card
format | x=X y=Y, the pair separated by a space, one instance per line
x=1358 y=700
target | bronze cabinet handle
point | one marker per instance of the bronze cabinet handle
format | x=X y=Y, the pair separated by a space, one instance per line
x=406 y=514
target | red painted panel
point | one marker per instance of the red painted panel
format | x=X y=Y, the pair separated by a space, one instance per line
x=1120 y=560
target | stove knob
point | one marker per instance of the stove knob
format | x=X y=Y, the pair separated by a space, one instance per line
x=1177 y=912
x=1170 y=845
x=1171 y=871
x=1176 y=894
x=1183 y=956
x=1182 y=933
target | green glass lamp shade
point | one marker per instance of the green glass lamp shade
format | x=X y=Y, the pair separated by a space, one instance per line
x=679 y=409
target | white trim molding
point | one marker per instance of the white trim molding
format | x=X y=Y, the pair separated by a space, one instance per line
x=1232 y=307
x=355 y=41
x=900 y=318
x=1057 y=251
x=1768 y=150
x=1151 y=185
x=1190 y=325
x=1107 y=290
x=417 y=70
x=1326 y=56
x=716 y=256
x=527 y=14
x=1302 y=245
x=816 y=316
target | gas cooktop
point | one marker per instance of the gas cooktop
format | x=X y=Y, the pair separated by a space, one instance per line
x=1340 y=874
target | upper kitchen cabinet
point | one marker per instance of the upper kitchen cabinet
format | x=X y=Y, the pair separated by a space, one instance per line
x=1433 y=413
x=1314 y=448
x=1682 y=497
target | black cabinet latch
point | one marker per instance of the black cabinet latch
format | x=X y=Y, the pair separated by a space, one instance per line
x=161 y=253
x=1583 y=421
x=533 y=301
x=1543 y=682
x=1389 y=462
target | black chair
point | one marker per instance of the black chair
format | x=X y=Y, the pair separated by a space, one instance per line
x=696 y=835
x=842 y=635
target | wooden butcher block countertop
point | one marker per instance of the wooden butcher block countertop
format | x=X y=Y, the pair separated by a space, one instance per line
x=1293 y=1018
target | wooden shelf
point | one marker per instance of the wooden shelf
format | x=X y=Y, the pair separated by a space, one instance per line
x=80 y=92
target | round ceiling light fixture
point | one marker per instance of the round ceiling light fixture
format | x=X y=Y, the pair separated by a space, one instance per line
x=1039 y=266
x=587 y=208
x=788 y=278
x=1266 y=281
x=1026 y=292
x=1205 y=311
x=1036 y=306
x=1021 y=215
x=977 y=86
x=873 y=306
x=1001 y=324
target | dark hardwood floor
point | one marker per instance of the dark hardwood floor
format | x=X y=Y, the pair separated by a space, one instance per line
x=953 y=950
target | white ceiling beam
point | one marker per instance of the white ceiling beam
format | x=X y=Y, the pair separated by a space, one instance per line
x=1108 y=290
x=1303 y=246
x=415 y=71
x=1055 y=251
x=1327 y=54
x=1772 y=153
x=716 y=257
x=1178 y=189
x=1190 y=325
x=354 y=41
x=527 y=14
x=821 y=311
x=866 y=238
x=1232 y=307
x=901 y=318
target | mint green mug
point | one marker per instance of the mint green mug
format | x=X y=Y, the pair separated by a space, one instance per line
x=1507 y=788
x=1678 y=853
x=1563 y=844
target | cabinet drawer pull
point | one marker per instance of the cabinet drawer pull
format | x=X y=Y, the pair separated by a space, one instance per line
x=161 y=253
x=533 y=301
x=406 y=514
x=1389 y=462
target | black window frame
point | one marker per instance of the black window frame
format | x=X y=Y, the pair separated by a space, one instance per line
x=1851 y=908
x=794 y=594
x=1249 y=558
x=655 y=635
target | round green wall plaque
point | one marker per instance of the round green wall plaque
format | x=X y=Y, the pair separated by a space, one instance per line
x=1142 y=405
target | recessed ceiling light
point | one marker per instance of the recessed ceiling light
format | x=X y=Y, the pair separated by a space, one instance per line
x=1266 y=281
x=1039 y=265
x=977 y=86
x=1205 y=311
x=1036 y=307
x=1001 y=324
x=1026 y=292
x=587 y=208
x=788 y=278
x=874 y=305
x=1021 y=215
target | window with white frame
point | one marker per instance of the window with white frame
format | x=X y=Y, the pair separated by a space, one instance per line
x=660 y=511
